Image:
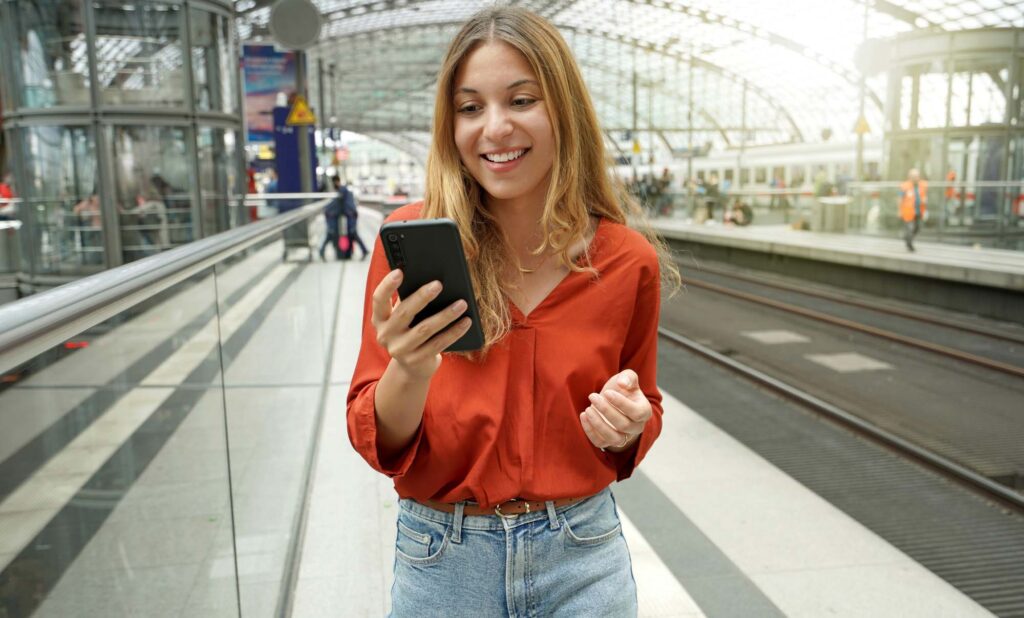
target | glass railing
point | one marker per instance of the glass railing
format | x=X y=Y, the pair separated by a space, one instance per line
x=988 y=214
x=157 y=424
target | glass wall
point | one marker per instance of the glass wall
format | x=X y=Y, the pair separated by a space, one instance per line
x=145 y=467
x=63 y=231
x=217 y=177
x=161 y=159
x=120 y=504
x=151 y=188
x=212 y=68
x=52 y=60
x=956 y=98
x=139 y=57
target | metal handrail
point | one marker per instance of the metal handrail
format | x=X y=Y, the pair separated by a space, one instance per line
x=940 y=184
x=35 y=324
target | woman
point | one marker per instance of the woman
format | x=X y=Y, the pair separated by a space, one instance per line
x=502 y=458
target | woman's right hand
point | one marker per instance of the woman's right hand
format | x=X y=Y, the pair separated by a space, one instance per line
x=417 y=350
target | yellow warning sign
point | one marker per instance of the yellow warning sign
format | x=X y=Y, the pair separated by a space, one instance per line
x=862 y=126
x=636 y=146
x=300 y=113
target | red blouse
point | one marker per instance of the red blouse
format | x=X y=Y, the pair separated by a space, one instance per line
x=510 y=427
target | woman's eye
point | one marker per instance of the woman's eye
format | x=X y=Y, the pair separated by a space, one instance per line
x=469 y=108
x=523 y=101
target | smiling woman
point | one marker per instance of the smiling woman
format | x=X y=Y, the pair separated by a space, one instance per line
x=502 y=458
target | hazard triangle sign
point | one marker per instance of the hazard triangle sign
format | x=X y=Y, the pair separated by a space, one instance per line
x=300 y=113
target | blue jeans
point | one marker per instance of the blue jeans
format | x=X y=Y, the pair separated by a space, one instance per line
x=565 y=561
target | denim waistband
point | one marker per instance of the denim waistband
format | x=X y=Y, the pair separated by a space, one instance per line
x=490 y=522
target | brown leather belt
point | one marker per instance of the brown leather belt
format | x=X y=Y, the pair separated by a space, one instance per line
x=509 y=508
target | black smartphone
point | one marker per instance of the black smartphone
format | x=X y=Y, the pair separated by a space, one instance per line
x=431 y=250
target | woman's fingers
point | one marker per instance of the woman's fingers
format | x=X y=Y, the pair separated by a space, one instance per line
x=382 y=294
x=407 y=308
x=618 y=414
x=599 y=430
x=439 y=343
x=426 y=330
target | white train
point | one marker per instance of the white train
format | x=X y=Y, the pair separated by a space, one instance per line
x=753 y=170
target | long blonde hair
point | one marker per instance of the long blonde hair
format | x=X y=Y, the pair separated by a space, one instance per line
x=580 y=185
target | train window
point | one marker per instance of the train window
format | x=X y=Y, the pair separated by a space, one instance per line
x=744 y=175
x=761 y=175
x=871 y=171
x=728 y=175
x=700 y=174
x=797 y=174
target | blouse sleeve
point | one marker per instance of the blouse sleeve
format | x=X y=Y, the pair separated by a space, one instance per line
x=373 y=360
x=640 y=353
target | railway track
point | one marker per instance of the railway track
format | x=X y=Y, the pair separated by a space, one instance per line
x=935 y=461
x=946 y=351
x=872 y=306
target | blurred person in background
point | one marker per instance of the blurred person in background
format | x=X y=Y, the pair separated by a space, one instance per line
x=913 y=205
x=7 y=210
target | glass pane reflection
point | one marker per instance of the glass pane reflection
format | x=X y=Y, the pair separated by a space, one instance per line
x=211 y=61
x=139 y=54
x=114 y=493
x=61 y=200
x=217 y=176
x=152 y=183
x=53 y=65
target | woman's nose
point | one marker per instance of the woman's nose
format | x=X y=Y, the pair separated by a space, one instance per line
x=498 y=124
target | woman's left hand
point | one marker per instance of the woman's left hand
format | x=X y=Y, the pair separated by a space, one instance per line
x=617 y=415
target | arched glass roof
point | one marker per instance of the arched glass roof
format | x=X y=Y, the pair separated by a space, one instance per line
x=724 y=73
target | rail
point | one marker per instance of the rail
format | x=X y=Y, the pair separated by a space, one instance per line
x=32 y=325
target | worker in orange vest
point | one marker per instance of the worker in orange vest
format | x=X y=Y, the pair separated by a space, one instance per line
x=913 y=205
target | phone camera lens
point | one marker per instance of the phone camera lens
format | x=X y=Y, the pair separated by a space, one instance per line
x=393 y=237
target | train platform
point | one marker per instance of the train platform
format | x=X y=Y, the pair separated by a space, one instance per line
x=962 y=264
x=963 y=278
x=149 y=521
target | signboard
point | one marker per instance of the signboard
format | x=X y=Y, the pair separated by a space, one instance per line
x=287 y=141
x=268 y=71
x=300 y=113
x=862 y=127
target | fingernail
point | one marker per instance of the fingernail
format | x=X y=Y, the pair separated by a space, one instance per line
x=459 y=306
x=396 y=274
x=435 y=286
x=592 y=397
x=626 y=381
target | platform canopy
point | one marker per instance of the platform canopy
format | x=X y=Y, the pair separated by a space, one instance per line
x=762 y=72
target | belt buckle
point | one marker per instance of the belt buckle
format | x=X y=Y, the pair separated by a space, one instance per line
x=497 y=510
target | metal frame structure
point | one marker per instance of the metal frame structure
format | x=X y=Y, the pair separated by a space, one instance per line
x=386 y=53
x=102 y=117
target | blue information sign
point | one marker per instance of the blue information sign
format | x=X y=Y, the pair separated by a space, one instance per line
x=286 y=146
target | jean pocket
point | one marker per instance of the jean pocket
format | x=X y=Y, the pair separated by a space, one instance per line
x=591 y=524
x=420 y=541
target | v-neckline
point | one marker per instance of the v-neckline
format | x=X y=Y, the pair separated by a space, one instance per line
x=525 y=317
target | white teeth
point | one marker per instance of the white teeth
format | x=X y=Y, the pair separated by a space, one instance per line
x=505 y=157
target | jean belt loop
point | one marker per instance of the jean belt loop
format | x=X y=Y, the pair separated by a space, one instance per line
x=460 y=509
x=552 y=515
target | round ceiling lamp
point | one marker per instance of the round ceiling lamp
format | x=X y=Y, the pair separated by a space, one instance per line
x=295 y=24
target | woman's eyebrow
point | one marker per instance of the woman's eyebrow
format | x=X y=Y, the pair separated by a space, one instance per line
x=514 y=84
x=520 y=82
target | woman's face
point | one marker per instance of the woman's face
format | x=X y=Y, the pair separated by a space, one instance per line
x=502 y=129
